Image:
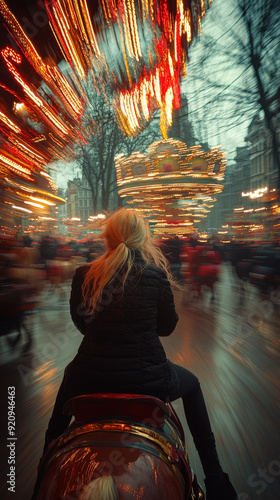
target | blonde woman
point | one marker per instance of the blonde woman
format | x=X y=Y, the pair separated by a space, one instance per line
x=122 y=303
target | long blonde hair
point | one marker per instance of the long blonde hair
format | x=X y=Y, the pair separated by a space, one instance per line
x=102 y=488
x=125 y=231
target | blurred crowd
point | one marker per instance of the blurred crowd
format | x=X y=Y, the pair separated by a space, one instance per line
x=23 y=251
x=28 y=266
x=22 y=257
x=198 y=263
x=26 y=261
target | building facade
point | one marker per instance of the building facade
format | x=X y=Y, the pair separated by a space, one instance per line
x=237 y=180
x=263 y=171
x=79 y=200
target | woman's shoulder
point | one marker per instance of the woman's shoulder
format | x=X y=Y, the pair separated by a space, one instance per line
x=81 y=271
x=153 y=271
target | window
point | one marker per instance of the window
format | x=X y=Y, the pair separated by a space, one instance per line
x=258 y=165
x=262 y=164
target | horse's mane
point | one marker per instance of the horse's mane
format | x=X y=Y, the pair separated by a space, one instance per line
x=102 y=488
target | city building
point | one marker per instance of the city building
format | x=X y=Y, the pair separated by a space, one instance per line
x=237 y=180
x=263 y=171
x=79 y=200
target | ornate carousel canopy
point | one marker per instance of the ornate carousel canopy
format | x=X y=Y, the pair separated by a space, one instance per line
x=173 y=185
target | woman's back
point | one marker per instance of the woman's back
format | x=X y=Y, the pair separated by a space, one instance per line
x=121 y=347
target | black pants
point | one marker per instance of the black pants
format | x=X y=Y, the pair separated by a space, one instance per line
x=184 y=384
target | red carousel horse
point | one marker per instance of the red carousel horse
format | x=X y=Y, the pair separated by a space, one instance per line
x=119 y=447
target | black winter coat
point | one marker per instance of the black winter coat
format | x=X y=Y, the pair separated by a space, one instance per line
x=121 y=350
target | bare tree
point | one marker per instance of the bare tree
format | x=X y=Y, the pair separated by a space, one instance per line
x=96 y=158
x=239 y=69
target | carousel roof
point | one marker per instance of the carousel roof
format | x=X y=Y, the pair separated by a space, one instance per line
x=173 y=185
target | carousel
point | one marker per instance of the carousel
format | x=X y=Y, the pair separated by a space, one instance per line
x=28 y=200
x=172 y=185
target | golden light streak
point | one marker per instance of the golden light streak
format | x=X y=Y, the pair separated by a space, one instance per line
x=46 y=202
x=127 y=31
x=34 y=204
x=132 y=106
x=143 y=99
x=13 y=183
x=92 y=37
x=43 y=106
x=11 y=163
x=64 y=27
x=106 y=12
x=9 y=123
x=30 y=151
x=170 y=64
x=22 y=38
x=157 y=87
x=199 y=24
x=169 y=97
x=21 y=208
x=187 y=25
x=46 y=218
x=66 y=90
x=175 y=41
x=258 y=193
x=145 y=9
x=135 y=34
x=203 y=8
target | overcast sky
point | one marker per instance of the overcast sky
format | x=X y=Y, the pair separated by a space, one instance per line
x=211 y=125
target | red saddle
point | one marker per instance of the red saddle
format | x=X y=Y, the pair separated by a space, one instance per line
x=146 y=409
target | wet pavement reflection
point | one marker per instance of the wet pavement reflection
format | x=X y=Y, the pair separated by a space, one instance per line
x=231 y=344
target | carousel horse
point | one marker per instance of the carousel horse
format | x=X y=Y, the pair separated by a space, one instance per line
x=119 y=447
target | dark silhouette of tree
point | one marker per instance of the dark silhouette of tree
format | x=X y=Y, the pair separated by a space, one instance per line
x=249 y=47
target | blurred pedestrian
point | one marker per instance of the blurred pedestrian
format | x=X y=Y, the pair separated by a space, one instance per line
x=27 y=241
x=172 y=251
x=48 y=248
